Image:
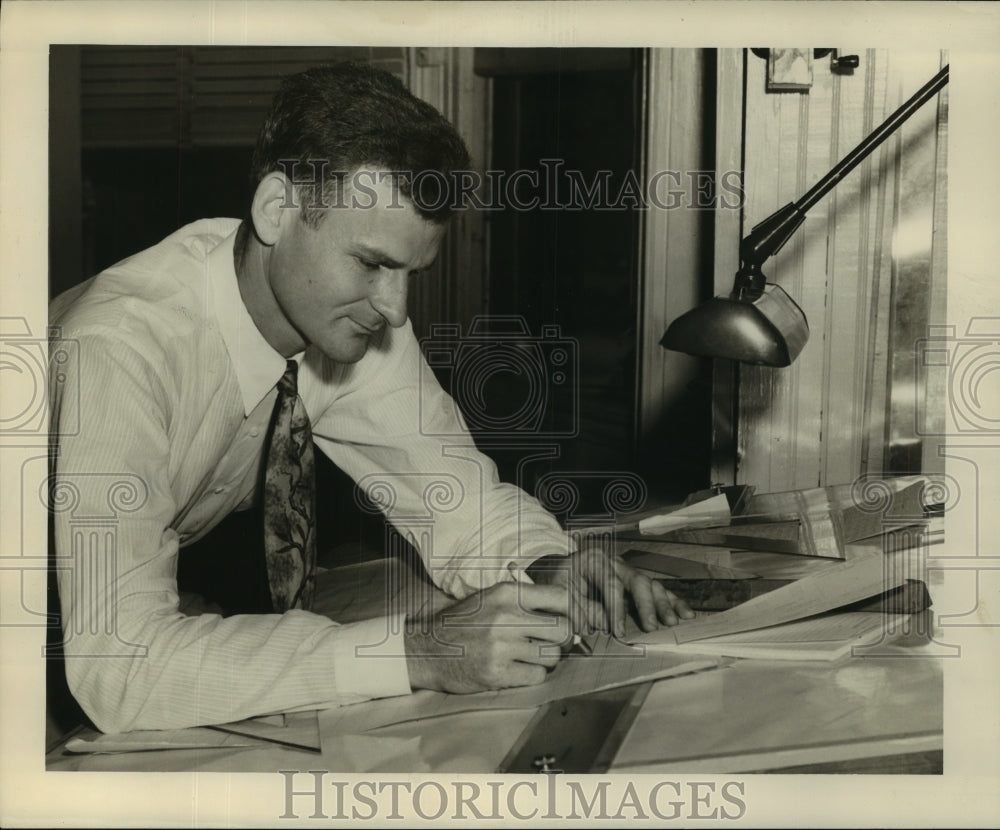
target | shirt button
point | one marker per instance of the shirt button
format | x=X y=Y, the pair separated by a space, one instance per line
x=254 y=432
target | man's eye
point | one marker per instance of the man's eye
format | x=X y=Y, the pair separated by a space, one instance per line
x=368 y=264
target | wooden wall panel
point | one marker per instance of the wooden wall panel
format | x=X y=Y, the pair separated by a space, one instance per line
x=672 y=264
x=728 y=159
x=838 y=411
x=453 y=290
x=674 y=389
x=854 y=238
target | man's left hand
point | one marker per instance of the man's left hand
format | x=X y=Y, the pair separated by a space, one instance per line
x=598 y=584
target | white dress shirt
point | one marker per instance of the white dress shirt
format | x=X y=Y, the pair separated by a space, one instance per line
x=160 y=429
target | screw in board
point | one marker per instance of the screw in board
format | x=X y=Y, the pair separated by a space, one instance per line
x=543 y=763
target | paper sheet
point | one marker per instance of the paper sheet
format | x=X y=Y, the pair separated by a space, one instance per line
x=824 y=637
x=374 y=753
x=835 y=586
x=832 y=518
x=711 y=511
x=612 y=664
x=92 y=741
x=298 y=731
x=663 y=564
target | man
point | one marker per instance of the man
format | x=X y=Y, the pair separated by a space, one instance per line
x=193 y=352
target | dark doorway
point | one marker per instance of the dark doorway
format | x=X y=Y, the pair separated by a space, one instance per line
x=569 y=123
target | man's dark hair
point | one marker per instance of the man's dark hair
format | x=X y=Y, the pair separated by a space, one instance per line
x=332 y=120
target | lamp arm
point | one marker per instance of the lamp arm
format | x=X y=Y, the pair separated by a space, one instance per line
x=769 y=236
x=765 y=240
x=759 y=323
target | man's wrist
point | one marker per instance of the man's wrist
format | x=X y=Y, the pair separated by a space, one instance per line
x=415 y=667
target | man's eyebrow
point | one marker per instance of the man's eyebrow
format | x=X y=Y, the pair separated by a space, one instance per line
x=375 y=255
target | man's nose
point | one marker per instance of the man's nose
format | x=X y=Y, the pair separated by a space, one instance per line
x=388 y=296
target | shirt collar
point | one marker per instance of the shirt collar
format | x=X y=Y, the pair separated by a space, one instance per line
x=258 y=366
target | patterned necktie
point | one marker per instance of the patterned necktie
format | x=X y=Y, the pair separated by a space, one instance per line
x=290 y=500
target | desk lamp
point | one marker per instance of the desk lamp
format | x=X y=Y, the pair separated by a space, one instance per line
x=759 y=322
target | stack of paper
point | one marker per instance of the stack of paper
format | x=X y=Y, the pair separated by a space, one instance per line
x=791 y=622
x=824 y=637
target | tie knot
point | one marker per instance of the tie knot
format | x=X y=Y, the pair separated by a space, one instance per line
x=289 y=381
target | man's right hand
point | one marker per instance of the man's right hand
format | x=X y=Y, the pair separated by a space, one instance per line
x=507 y=635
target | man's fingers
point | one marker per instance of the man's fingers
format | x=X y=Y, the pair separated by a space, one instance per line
x=524 y=612
x=592 y=592
x=670 y=608
x=681 y=608
x=546 y=629
x=541 y=652
x=587 y=615
x=613 y=594
x=596 y=574
x=665 y=604
x=509 y=635
x=647 y=606
x=552 y=599
x=523 y=674
x=595 y=596
x=570 y=599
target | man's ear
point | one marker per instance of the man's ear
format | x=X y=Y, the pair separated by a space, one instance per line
x=273 y=206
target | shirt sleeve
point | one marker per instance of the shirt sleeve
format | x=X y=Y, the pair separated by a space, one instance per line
x=404 y=441
x=133 y=661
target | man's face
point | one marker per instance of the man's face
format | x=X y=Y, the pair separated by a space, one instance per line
x=340 y=283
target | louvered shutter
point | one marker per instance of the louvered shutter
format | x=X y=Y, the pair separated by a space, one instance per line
x=194 y=96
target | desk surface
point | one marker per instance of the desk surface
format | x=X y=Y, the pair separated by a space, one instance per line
x=753 y=715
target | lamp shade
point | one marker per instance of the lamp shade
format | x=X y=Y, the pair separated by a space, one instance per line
x=763 y=327
x=758 y=322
